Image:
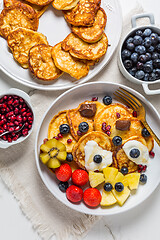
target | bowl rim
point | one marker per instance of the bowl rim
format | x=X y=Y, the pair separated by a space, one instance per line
x=37 y=156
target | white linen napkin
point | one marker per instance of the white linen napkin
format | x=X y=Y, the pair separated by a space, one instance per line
x=18 y=168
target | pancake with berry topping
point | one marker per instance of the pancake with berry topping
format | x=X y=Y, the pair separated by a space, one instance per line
x=53 y=130
x=78 y=151
x=75 y=118
x=18 y=15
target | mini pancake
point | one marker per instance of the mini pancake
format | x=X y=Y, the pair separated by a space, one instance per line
x=21 y=40
x=39 y=9
x=83 y=50
x=78 y=150
x=94 y=33
x=64 y=61
x=83 y=14
x=74 y=118
x=40 y=2
x=63 y=4
x=53 y=130
x=120 y=159
x=109 y=115
x=18 y=15
x=72 y=5
x=41 y=63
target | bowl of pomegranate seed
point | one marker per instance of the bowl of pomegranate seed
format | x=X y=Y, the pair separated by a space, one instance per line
x=16 y=117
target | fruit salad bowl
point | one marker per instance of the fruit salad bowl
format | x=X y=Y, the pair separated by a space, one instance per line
x=16 y=117
x=136 y=58
x=71 y=99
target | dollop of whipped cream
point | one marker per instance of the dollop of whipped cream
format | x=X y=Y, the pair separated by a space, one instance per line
x=133 y=144
x=91 y=149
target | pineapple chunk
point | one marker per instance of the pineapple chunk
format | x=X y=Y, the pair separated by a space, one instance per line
x=119 y=178
x=133 y=180
x=121 y=196
x=110 y=173
x=108 y=199
x=44 y=157
x=53 y=163
x=60 y=146
x=95 y=178
x=62 y=155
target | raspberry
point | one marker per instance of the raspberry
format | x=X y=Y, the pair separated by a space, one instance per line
x=64 y=172
x=92 y=197
x=80 y=177
x=74 y=194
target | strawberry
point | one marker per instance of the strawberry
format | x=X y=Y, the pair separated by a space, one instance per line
x=92 y=197
x=80 y=177
x=74 y=193
x=64 y=172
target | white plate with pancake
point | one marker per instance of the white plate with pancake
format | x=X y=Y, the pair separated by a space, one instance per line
x=71 y=99
x=53 y=25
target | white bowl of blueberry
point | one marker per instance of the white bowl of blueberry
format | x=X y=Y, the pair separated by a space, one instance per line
x=139 y=54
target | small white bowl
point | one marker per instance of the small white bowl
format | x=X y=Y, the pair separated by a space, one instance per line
x=120 y=63
x=25 y=96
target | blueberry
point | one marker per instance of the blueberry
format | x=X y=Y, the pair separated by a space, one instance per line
x=126 y=54
x=69 y=157
x=155 y=55
x=158 y=48
x=128 y=64
x=147 y=32
x=64 y=128
x=156 y=63
x=107 y=187
x=107 y=100
x=137 y=40
x=139 y=74
x=148 y=67
x=157 y=72
x=154 y=38
x=117 y=140
x=139 y=33
x=97 y=158
x=140 y=66
x=148 y=56
x=134 y=153
x=152 y=77
x=159 y=39
x=119 y=187
x=145 y=132
x=147 y=42
x=134 y=57
x=83 y=127
x=140 y=49
x=143 y=178
x=151 y=49
x=142 y=58
x=124 y=170
x=132 y=71
x=146 y=77
x=129 y=40
x=63 y=186
x=130 y=46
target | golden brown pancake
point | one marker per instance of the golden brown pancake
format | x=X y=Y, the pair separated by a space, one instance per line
x=63 y=4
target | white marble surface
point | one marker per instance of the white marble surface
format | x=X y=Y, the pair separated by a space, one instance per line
x=141 y=223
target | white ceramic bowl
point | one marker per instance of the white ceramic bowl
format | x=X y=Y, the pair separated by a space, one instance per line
x=120 y=63
x=71 y=99
x=25 y=96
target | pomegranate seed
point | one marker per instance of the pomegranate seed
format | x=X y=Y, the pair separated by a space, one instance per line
x=118 y=115
x=140 y=168
x=21 y=100
x=1 y=131
x=1 y=100
x=5 y=97
x=19 y=118
x=25 y=132
x=4 y=137
x=3 y=110
x=15 y=138
x=20 y=124
x=29 y=126
x=23 y=110
x=10 y=102
x=16 y=128
x=4 y=105
x=11 y=124
x=11 y=129
x=13 y=118
x=26 y=124
x=24 y=119
x=11 y=113
x=16 y=122
x=13 y=134
x=108 y=133
x=108 y=127
x=29 y=114
x=2 y=117
x=60 y=135
x=15 y=103
x=79 y=133
x=5 y=127
x=134 y=114
x=24 y=114
x=30 y=122
x=30 y=119
x=2 y=122
x=9 y=139
x=7 y=109
x=16 y=111
x=69 y=140
x=144 y=168
x=152 y=154
x=94 y=98
x=20 y=106
x=57 y=138
x=104 y=126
